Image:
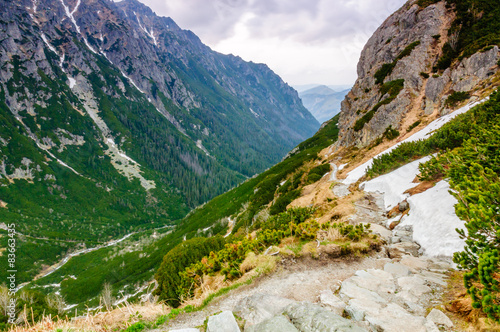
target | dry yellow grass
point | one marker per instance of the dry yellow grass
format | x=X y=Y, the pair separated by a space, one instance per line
x=117 y=319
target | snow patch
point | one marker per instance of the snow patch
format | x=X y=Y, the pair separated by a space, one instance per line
x=143 y=28
x=432 y=215
x=394 y=184
x=425 y=133
x=70 y=15
x=44 y=38
x=72 y=82
x=254 y=113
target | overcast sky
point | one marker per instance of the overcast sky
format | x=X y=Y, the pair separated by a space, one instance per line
x=303 y=41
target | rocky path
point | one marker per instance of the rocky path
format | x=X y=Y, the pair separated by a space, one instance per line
x=395 y=290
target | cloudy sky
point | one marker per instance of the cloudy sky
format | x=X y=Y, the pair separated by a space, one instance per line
x=303 y=41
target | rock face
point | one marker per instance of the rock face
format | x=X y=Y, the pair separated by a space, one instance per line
x=423 y=93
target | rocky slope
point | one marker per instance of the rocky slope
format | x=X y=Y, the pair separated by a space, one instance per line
x=398 y=78
x=115 y=119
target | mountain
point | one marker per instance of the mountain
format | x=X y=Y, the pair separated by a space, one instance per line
x=322 y=101
x=312 y=206
x=421 y=62
x=115 y=120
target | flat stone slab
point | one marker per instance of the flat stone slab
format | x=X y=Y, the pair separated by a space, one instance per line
x=223 y=322
x=259 y=307
x=415 y=263
x=377 y=281
x=393 y=318
x=415 y=285
x=396 y=269
x=274 y=324
x=327 y=297
x=308 y=317
x=185 y=330
x=358 y=308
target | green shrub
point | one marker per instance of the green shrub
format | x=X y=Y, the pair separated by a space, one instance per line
x=424 y=75
x=414 y=125
x=176 y=261
x=387 y=68
x=455 y=98
x=317 y=173
x=393 y=88
x=391 y=133
x=137 y=327
x=383 y=72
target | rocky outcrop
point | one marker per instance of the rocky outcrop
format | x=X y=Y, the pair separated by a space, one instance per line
x=406 y=47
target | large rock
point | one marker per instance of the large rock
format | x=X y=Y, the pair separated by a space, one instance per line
x=350 y=290
x=185 y=330
x=223 y=322
x=259 y=307
x=274 y=324
x=398 y=250
x=308 y=317
x=358 y=308
x=439 y=318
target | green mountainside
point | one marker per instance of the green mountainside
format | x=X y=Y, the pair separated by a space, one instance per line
x=108 y=127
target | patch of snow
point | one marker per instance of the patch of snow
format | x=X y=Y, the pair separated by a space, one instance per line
x=254 y=113
x=132 y=82
x=70 y=15
x=72 y=82
x=44 y=38
x=394 y=184
x=71 y=306
x=425 y=133
x=432 y=215
x=143 y=28
x=57 y=159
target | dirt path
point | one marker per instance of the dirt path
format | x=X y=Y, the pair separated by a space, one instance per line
x=300 y=281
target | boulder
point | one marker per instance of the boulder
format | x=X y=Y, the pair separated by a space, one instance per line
x=274 y=324
x=223 y=322
x=439 y=318
x=185 y=330
x=403 y=206
x=398 y=250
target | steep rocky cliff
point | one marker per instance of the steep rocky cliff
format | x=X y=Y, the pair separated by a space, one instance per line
x=401 y=79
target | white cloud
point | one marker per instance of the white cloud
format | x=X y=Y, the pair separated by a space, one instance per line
x=304 y=41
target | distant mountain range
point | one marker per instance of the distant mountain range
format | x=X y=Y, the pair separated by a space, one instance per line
x=323 y=101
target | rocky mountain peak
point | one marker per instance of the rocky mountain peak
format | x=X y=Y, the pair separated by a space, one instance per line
x=398 y=79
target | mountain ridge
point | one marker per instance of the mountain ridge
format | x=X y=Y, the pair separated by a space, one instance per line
x=116 y=120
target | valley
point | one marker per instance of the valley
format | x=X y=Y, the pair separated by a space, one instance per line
x=158 y=185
